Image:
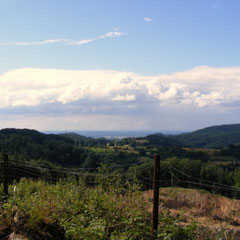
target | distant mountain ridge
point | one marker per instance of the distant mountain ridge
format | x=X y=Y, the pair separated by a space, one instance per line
x=211 y=137
x=75 y=137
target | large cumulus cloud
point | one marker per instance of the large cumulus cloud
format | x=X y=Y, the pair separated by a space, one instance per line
x=107 y=92
x=201 y=86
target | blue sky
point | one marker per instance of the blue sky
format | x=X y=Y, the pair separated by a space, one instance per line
x=107 y=65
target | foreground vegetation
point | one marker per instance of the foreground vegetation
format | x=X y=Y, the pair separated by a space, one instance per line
x=70 y=210
x=113 y=209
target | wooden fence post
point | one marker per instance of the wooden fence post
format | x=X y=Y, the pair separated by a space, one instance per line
x=156 y=178
x=5 y=173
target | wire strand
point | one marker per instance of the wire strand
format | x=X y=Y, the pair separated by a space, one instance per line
x=203 y=179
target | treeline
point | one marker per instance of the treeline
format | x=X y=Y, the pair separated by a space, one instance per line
x=231 y=150
x=191 y=173
x=30 y=145
x=86 y=141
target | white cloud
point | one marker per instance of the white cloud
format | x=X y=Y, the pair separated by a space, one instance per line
x=65 y=41
x=81 y=42
x=111 y=34
x=44 y=42
x=202 y=91
x=147 y=19
x=201 y=86
x=125 y=98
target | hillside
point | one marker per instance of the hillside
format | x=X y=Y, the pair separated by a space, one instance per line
x=75 y=137
x=162 y=140
x=32 y=135
x=157 y=140
x=85 y=141
x=65 y=150
x=31 y=144
x=220 y=215
x=211 y=137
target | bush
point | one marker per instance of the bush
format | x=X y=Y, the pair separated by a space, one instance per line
x=70 y=210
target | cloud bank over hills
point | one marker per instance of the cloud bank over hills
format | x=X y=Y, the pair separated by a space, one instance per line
x=201 y=86
x=80 y=94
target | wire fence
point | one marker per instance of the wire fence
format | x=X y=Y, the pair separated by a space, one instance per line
x=206 y=184
x=18 y=169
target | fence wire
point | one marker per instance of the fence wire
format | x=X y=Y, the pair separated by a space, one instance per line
x=18 y=169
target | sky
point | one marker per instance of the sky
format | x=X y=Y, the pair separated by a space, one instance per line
x=119 y=65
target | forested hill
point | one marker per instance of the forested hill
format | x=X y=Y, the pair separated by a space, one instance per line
x=85 y=141
x=160 y=139
x=69 y=150
x=211 y=137
x=31 y=144
x=75 y=137
x=8 y=135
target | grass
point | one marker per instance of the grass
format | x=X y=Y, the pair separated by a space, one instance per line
x=209 y=151
x=141 y=141
x=100 y=150
x=125 y=148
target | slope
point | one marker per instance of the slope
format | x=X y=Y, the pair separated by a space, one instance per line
x=211 y=137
